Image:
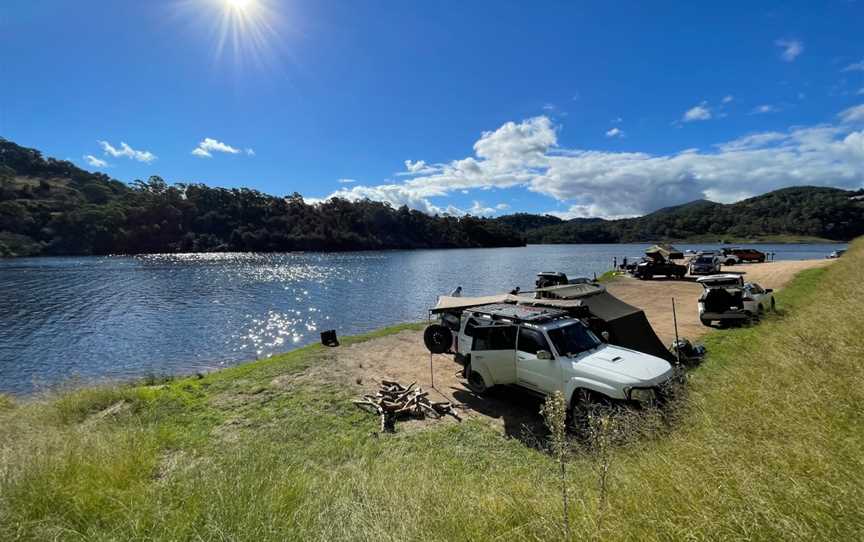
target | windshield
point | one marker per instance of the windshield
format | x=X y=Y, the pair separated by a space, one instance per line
x=704 y=259
x=573 y=339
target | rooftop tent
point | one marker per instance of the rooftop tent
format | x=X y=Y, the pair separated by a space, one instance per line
x=667 y=252
x=627 y=325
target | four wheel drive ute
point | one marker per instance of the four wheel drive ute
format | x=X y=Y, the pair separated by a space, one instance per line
x=648 y=268
x=728 y=299
x=543 y=350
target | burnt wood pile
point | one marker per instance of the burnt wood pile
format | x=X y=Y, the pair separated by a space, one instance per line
x=394 y=401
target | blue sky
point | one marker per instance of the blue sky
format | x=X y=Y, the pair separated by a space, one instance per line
x=577 y=108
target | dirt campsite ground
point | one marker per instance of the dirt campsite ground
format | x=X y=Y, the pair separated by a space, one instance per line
x=403 y=357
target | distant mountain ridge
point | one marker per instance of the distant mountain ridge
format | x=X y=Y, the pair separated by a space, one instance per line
x=800 y=212
x=52 y=207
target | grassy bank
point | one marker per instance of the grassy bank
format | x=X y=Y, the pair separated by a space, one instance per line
x=768 y=446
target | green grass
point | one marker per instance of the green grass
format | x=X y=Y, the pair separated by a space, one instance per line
x=767 y=445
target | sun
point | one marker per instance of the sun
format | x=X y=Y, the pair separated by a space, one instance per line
x=244 y=33
x=240 y=5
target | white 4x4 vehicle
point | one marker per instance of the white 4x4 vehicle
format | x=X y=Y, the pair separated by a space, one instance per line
x=727 y=298
x=545 y=351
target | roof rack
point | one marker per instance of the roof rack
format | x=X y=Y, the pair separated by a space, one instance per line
x=522 y=313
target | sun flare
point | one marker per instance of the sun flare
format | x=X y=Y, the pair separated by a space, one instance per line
x=240 y=5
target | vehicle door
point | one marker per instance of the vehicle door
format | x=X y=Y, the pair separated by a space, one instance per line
x=494 y=347
x=756 y=295
x=543 y=375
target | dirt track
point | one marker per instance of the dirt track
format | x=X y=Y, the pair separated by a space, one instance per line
x=403 y=357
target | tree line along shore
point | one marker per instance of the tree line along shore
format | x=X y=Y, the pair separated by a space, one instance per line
x=52 y=207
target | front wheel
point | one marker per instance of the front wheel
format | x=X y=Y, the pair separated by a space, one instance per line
x=773 y=306
x=729 y=262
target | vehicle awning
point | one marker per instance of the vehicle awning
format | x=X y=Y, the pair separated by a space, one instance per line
x=627 y=325
x=448 y=303
x=572 y=291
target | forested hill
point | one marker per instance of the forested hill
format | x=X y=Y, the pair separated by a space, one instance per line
x=798 y=212
x=52 y=207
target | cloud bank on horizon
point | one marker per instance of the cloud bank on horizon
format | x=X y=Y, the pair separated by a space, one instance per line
x=621 y=184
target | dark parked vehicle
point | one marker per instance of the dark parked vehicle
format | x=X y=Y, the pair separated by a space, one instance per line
x=652 y=267
x=731 y=256
x=705 y=264
x=545 y=279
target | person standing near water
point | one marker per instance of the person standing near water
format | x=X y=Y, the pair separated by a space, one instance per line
x=457 y=292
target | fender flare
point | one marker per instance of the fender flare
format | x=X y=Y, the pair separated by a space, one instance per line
x=601 y=388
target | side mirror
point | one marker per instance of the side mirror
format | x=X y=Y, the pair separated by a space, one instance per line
x=769 y=290
x=544 y=354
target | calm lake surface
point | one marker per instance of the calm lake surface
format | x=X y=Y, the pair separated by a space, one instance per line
x=80 y=319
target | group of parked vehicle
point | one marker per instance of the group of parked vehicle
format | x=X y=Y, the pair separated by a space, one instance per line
x=660 y=260
x=572 y=336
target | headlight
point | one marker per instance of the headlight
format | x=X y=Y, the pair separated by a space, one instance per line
x=642 y=395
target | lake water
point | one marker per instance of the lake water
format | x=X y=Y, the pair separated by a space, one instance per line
x=91 y=318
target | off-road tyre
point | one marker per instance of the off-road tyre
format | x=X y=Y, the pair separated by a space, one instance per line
x=705 y=322
x=437 y=338
x=729 y=262
x=773 y=305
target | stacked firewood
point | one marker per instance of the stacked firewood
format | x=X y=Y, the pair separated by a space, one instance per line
x=394 y=401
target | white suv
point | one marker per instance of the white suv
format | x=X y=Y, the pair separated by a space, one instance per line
x=544 y=351
x=728 y=299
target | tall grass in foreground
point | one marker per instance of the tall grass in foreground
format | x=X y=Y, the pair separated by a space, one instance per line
x=768 y=446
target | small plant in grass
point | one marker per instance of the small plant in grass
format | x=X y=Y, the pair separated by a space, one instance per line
x=554 y=412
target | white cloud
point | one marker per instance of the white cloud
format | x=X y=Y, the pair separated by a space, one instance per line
x=727 y=99
x=855 y=67
x=791 y=49
x=766 y=108
x=526 y=155
x=699 y=112
x=502 y=206
x=94 y=161
x=250 y=151
x=615 y=132
x=346 y=181
x=478 y=209
x=208 y=146
x=853 y=114
x=127 y=151
x=617 y=120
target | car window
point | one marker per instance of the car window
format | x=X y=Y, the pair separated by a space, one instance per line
x=470 y=327
x=573 y=339
x=494 y=338
x=756 y=289
x=531 y=341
